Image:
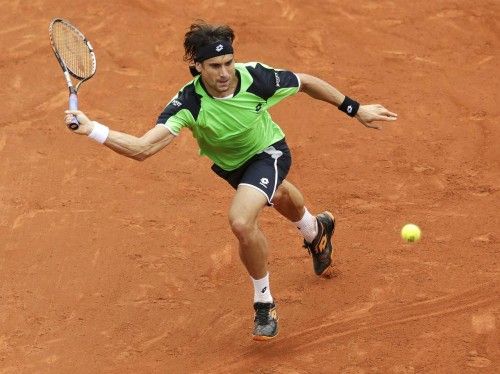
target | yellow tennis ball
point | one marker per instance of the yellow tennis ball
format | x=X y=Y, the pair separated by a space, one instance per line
x=411 y=233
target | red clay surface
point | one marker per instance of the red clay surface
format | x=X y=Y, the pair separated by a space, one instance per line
x=108 y=265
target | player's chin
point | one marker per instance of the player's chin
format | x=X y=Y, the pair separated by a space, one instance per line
x=223 y=86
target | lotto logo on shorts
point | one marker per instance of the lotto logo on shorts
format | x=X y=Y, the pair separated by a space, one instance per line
x=264 y=182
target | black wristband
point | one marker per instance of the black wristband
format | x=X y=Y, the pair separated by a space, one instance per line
x=349 y=106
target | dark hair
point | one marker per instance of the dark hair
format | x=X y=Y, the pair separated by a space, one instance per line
x=201 y=34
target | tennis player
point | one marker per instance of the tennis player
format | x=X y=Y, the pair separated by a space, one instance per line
x=226 y=107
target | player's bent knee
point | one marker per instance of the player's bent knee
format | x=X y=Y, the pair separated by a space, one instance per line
x=242 y=228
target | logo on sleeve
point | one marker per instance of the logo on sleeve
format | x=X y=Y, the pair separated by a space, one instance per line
x=264 y=182
x=176 y=103
x=258 y=107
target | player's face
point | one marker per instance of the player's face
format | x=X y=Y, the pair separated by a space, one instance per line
x=218 y=75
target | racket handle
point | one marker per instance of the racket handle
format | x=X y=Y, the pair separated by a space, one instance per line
x=73 y=105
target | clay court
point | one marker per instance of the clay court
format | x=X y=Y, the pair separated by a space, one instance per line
x=108 y=265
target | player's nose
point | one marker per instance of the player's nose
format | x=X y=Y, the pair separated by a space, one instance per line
x=224 y=72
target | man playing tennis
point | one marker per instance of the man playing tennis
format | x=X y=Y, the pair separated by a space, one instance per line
x=226 y=108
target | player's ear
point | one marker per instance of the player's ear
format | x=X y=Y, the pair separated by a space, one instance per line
x=198 y=66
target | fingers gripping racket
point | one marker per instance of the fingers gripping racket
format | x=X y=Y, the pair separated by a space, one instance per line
x=76 y=57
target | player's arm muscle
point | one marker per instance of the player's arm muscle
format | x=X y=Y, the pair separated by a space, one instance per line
x=139 y=148
x=319 y=89
x=128 y=145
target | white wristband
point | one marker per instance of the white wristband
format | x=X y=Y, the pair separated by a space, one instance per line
x=99 y=133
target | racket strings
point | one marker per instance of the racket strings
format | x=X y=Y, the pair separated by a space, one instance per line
x=73 y=50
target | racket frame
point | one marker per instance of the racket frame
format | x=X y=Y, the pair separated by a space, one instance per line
x=73 y=90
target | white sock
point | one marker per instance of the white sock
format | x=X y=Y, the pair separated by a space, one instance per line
x=261 y=290
x=308 y=226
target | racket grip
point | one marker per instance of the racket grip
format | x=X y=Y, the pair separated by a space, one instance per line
x=73 y=105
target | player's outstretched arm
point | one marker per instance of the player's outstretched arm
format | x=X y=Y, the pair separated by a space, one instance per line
x=366 y=114
x=128 y=145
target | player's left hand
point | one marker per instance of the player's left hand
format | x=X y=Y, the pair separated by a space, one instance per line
x=374 y=112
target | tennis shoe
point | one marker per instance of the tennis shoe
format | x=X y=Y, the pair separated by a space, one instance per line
x=321 y=248
x=265 y=322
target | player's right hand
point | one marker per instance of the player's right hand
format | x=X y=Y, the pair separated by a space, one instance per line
x=86 y=124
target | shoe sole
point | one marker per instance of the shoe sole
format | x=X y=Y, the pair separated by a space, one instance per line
x=328 y=272
x=261 y=338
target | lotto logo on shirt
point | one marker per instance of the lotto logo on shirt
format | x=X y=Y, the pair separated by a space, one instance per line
x=264 y=182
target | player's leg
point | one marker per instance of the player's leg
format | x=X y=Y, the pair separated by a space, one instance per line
x=289 y=202
x=255 y=184
x=243 y=213
x=248 y=202
x=317 y=231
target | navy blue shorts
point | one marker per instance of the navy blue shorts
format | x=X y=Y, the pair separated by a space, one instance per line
x=265 y=171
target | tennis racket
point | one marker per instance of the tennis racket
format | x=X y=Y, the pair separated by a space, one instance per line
x=76 y=57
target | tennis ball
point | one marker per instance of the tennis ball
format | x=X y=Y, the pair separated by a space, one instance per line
x=411 y=233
